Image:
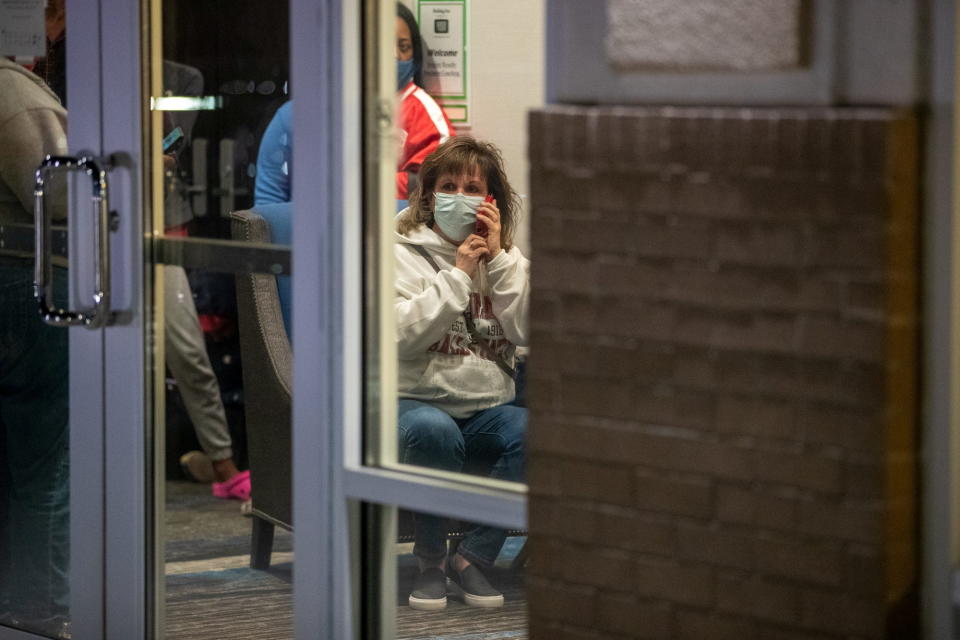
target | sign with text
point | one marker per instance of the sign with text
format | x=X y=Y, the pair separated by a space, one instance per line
x=22 y=28
x=443 y=26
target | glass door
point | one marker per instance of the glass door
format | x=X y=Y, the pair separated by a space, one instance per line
x=137 y=520
x=219 y=141
x=36 y=357
x=393 y=518
x=62 y=303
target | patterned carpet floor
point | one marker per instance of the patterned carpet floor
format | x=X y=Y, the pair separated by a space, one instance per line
x=212 y=592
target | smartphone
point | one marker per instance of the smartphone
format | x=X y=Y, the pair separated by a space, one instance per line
x=173 y=140
x=481 y=229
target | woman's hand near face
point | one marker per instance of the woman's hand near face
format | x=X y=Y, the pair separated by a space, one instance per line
x=470 y=252
x=488 y=215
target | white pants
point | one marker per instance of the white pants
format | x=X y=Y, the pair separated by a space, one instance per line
x=189 y=363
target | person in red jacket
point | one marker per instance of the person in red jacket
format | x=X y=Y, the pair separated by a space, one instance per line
x=423 y=124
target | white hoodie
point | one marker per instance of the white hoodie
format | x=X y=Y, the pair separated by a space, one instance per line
x=438 y=363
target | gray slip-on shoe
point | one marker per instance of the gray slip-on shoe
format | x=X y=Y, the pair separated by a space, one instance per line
x=472 y=587
x=429 y=591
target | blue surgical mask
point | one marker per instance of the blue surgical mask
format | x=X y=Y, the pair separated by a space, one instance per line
x=456 y=214
x=406 y=69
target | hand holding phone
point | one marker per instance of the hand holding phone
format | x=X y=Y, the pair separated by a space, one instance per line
x=481 y=229
x=173 y=140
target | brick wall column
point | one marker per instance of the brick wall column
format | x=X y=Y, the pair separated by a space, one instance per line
x=723 y=373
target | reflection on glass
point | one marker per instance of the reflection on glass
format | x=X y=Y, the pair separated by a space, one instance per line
x=34 y=368
x=226 y=417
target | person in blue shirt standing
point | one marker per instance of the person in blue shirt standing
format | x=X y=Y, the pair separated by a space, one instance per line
x=274 y=157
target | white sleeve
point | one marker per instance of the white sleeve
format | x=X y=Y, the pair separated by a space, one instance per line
x=426 y=307
x=509 y=276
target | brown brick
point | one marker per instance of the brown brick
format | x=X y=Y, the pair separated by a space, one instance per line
x=629 y=615
x=696 y=625
x=758 y=598
x=723 y=301
x=544 y=475
x=579 y=315
x=763 y=333
x=752 y=507
x=567 y=273
x=695 y=368
x=836 y=612
x=631 y=319
x=737 y=371
x=827 y=337
x=608 y=484
x=840 y=247
x=661 y=405
x=784 y=200
x=625 y=530
x=560 y=189
x=755 y=417
x=711 y=287
x=865 y=299
x=543 y=629
x=759 y=245
x=588 y=395
x=562 y=602
x=818 y=563
x=717 y=546
x=848 y=384
x=542 y=392
x=645 y=279
x=548 y=557
x=546 y=516
x=854 y=430
x=853 y=522
x=864 y=574
x=799 y=470
x=709 y=199
x=741 y=288
x=777 y=375
x=610 y=570
x=673 y=495
x=865 y=480
x=685 y=583
x=645 y=363
x=676 y=237
x=545 y=314
x=621 y=445
x=768 y=632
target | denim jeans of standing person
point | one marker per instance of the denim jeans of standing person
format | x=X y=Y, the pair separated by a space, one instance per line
x=34 y=455
x=491 y=442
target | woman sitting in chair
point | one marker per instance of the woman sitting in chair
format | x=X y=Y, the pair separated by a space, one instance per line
x=462 y=294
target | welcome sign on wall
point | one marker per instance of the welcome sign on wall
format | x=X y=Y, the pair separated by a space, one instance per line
x=444 y=28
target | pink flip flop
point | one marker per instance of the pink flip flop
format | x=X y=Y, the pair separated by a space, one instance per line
x=236 y=488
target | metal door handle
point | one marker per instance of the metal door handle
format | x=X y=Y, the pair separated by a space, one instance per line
x=99 y=314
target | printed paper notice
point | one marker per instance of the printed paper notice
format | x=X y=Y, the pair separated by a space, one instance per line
x=22 y=31
x=444 y=31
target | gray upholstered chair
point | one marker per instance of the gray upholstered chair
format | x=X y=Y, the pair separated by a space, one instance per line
x=267 y=386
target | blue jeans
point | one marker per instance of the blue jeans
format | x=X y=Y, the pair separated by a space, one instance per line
x=491 y=442
x=34 y=452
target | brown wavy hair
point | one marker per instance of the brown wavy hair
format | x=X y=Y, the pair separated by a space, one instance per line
x=463 y=155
